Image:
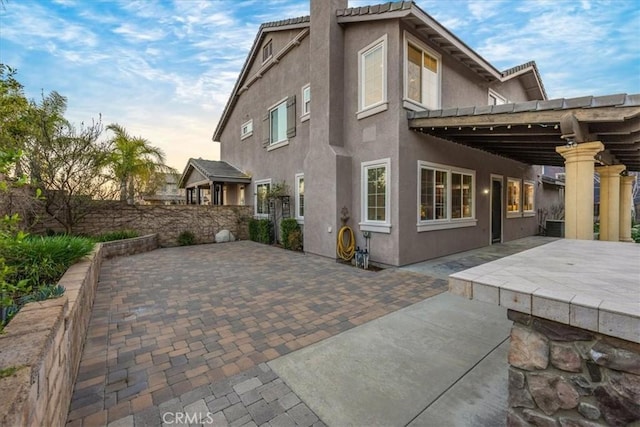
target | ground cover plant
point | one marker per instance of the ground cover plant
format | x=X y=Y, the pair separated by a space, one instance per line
x=31 y=266
x=116 y=235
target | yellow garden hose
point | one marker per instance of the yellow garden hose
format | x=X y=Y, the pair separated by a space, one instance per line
x=346 y=250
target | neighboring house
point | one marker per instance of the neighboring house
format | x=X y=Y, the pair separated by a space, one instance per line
x=168 y=192
x=325 y=104
x=213 y=182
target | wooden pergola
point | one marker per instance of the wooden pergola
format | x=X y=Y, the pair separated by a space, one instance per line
x=530 y=131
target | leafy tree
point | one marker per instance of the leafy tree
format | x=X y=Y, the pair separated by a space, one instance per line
x=14 y=114
x=135 y=163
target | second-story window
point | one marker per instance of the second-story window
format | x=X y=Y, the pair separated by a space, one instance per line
x=422 y=75
x=306 y=101
x=267 y=51
x=278 y=123
x=246 y=130
x=372 y=79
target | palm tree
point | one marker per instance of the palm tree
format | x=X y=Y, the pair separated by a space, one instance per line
x=133 y=161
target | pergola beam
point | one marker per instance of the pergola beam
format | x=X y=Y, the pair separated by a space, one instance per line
x=604 y=114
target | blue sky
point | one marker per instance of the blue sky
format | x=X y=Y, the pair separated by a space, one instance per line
x=164 y=69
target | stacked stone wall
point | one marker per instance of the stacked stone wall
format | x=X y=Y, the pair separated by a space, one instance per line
x=568 y=377
x=41 y=347
x=166 y=221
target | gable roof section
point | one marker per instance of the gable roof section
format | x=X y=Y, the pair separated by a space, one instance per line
x=530 y=131
x=531 y=79
x=214 y=170
x=265 y=28
x=422 y=22
x=432 y=30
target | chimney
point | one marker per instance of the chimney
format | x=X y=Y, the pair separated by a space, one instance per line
x=327 y=67
x=327 y=166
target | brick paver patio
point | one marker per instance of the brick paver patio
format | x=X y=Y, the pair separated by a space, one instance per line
x=169 y=326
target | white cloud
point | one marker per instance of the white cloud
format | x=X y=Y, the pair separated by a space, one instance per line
x=165 y=70
x=137 y=34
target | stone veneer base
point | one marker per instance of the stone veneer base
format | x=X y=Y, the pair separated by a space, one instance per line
x=560 y=375
x=44 y=342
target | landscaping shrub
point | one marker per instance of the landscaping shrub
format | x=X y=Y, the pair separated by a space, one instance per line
x=30 y=268
x=116 y=235
x=42 y=260
x=289 y=226
x=635 y=233
x=261 y=230
x=186 y=238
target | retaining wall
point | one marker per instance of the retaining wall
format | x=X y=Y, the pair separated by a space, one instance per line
x=44 y=343
x=168 y=221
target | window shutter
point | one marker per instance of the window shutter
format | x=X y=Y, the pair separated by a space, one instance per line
x=291 y=116
x=266 y=131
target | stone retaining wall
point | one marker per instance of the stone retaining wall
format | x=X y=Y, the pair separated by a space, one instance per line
x=44 y=342
x=564 y=376
x=167 y=221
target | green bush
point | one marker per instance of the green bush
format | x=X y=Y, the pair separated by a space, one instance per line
x=186 y=238
x=116 y=235
x=289 y=226
x=30 y=268
x=635 y=233
x=42 y=260
x=261 y=230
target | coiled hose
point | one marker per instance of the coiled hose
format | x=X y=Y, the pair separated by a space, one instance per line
x=347 y=249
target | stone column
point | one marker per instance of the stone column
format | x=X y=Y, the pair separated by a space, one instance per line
x=610 y=202
x=626 y=199
x=578 y=198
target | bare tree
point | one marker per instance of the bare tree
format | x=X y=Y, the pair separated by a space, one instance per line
x=67 y=164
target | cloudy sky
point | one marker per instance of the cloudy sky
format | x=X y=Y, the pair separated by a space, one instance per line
x=164 y=68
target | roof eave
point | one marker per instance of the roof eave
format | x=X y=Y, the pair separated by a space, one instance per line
x=536 y=75
x=455 y=41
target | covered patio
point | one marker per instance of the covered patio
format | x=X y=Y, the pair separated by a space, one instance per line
x=213 y=182
x=585 y=135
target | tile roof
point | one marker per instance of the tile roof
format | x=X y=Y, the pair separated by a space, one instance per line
x=376 y=9
x=215 y=170
x=285 y=22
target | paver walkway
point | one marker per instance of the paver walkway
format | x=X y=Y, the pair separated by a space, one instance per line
x=171 y=325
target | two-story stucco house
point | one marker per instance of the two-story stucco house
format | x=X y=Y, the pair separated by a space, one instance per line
x=321 y=104
x=325 y=103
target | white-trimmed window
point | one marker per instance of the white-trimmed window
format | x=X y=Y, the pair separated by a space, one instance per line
x=306 y=102
x=299 y=191
x=528 y=198
x=278 y=123
x=495 y=98
x=446 y=197
x=376 y=213
x=514 y=208
x=261 y=202
x=246 y=130
x=267 y=51
x=422 y=75
x=372 y=78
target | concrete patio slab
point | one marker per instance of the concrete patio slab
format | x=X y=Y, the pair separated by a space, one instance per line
x=388 y=371
x=477 y=399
